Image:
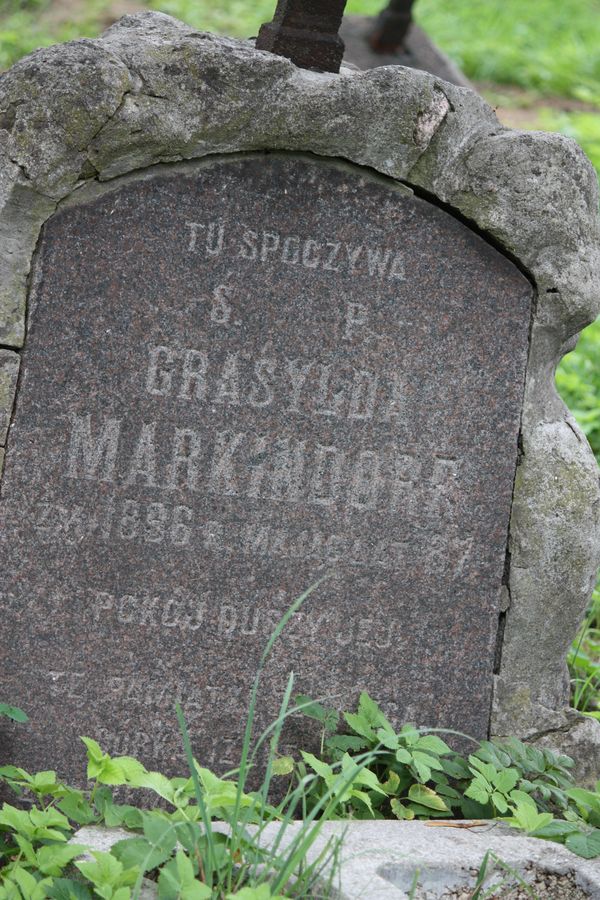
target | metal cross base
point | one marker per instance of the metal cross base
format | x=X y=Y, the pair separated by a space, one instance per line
x=306 y=31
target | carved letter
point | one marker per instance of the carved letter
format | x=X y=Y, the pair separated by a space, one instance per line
x=93 y=458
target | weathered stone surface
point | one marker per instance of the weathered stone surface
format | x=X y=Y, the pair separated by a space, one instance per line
x=9 y=370
x=270 y=379
x=380 y=860
x=162 y=92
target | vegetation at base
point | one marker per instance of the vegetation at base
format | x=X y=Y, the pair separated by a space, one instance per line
x=546 y=48
x=414 y=774
x=584 y=662
x=368 y=770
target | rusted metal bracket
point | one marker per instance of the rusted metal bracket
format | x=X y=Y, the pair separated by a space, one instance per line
x=391 y=26
x=306 y=31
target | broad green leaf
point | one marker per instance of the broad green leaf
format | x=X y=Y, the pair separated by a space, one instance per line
x=329 y=718
x=16 y=819
x=488 y=771
x=15 y=774
x=31 y=889
x=478 y=790
x=13 y=712
x=137 y=851
x=410 y=734
x=104 y=870
x=558 y=828
x=283 y=765
x=585 y=798
x=68 y=889
x=76 y=808
x=108 y=772
x=154 y=781
x=53 y=858
x=176 y=880
x=317 y=765
x=523 y=799
x=94 y=751
x=372 y=713
x=499 y=801
x=363 y=797
x=49 y=818
x=263 y=892
x=388 y=739
x=401 y=811
x=418 y=793
x=346 y=742
x=506 y=780
x=432 y=762
x=360 y=725
x=432 y=744
x=420 y=762
x=456 y=768
x=131 y=768
x=403 y=756
x=392 y=784
x=585 y=845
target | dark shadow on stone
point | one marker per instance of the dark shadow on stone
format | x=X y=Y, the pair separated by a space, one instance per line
x=419 y=51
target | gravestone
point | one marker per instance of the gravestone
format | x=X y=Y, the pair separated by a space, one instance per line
x=251 y=369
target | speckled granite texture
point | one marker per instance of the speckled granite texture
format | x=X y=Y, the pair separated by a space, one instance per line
x=152 y=91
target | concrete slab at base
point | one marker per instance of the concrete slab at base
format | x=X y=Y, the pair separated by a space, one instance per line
x=383 y=860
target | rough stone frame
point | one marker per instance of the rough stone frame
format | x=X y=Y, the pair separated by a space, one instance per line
x=152 y=90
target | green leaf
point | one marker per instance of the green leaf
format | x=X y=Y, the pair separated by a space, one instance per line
x=154 y=781
x=76 y=808
x=584 y=798
x=130 y=768
x=558 y=828
x=499 y=801
x=585 y=845
x=13 y=712
x=388 y=739
x=361 y=726
x=393 y=782
x=176 y=881
x=478 y=790
x=421 y=763
x=488 y=771
x=137 y=851
x=432 y=744
x=329 y=718
x=410 y=734
x=317 y=765
x=401 y=811
x=403 y=756
x=283 y=765
x=345 y=742
x=263 y=892
x=371 y=711
x=418 y=793
x=53 y=858
x=68 y=889
x=94 y=751
x=506 y=780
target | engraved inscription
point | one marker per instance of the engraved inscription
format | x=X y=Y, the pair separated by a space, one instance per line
x=271 y=246
x=240 y=376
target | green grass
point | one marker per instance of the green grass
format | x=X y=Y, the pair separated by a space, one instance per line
x=544 y=45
